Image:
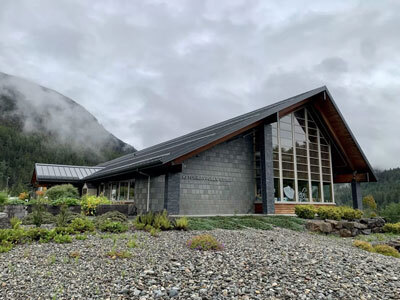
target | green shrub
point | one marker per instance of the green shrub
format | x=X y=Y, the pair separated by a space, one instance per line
x=113 y=254
x=114 y=216
x=65 y=217
x=62 y=239
x=35 y=234
x=326 y=212
x=363 y=245
x=81 y=237
x=64 y=230
x=62 y=191
x=181 y=223
x=15 y=201
x=148 y=227
x=15 y=222
x=46 y=218
x=5 y=246
x=161 y=221
x=386 y=250
x=65 y=201
x=305 y=211
x=154 y=231
x=82 y=225
x=3 y=198
x=204 y=242
x=392 y=228
x=391 y=212
x=349 y=213
x=113 y=226
x=14 y=236
x=90 y=203
x=131 y=244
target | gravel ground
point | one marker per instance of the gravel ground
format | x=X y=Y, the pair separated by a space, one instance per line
x=275 y=264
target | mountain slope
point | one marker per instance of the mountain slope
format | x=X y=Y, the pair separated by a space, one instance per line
x=40 y=125
x=385 y=191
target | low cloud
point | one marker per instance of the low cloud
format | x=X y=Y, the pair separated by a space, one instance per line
x=153 y=70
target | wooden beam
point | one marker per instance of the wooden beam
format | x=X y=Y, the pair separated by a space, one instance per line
x=346 y=178
x=294 y=107
x=179 y=160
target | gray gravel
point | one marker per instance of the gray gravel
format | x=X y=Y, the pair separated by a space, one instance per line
x=276 y=264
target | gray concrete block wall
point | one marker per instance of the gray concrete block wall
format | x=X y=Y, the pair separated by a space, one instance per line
x=267 y=171
x=219 y=180
x=172 y=192
x=157 y=185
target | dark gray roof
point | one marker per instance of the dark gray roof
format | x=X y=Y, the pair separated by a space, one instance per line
x=175 y=148
x=50 y=172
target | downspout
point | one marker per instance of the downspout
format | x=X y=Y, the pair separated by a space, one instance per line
x=148 y=190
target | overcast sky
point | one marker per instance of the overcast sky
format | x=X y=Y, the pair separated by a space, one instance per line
x=153 y=70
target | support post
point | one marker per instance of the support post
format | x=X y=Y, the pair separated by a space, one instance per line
x=172 y=192
x=267 y=170
x=356 y=193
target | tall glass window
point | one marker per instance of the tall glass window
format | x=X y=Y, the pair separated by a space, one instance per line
x=302 y=160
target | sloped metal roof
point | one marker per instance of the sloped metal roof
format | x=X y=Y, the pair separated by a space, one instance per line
x=68 y=173
x=168 y=151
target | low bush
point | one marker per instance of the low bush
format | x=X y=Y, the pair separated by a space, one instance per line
x=3 y=198
x=131 y=244
x=391 y=212
x=81 y=237
x=46 y=218
x=82 y=225
x=386 y=250
x=154 y=231
x=181 y=223
x=16 y=201
x=114 y=216
x=64 y=230
x=36 y=234
x=65 y=201
x=331 y=213
x=162 y=221
x=159 y=221
x=65 y=217
x=349 y=213
x=392 y=228
x=204 y=242
x=90 y=203
x=62 y=239
x=14 y=236
x=363 y=245
x=305 y=211
x=113 y=226
x=62 y=191
x=15 y=222
x=5 y=246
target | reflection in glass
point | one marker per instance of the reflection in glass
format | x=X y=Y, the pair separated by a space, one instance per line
x=288 y=190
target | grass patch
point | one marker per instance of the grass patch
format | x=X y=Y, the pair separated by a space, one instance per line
x=237 y=223
x=377 y=237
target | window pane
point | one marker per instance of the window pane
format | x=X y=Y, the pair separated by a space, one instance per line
x=302 y=175
x=303 y=191
x=287 y=174
x=314 y=176
x=325 y=148
x=312 y=131
x=302 y=168
x=316 y=191
x=286 y=134
x=285 y=126
x=314 y=161
x=326 y=171
x=301 y=159
x=276 y=164
x=325 y=163
x=132 y=190
x=276 y=189
x=314 y=169
x=276 y=173
x=287 y=157
x=299 y=114
x=123 y=191
x=288 y=190
x=326 y=178
x=287 y=166
x=313 y=154
x=302 y=152
x=324 y=155
x=114 y=191
x=327 y=192
x=313 y=146
x=287 y=119
x=275 y=156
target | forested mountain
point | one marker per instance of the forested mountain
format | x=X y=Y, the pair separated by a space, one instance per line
x=40 y=125
x=385 y=191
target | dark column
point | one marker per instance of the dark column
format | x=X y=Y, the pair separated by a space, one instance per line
x=267 y=170
x=356 y=193
x=172 y=192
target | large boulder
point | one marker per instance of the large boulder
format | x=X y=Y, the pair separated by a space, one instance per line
x=345 y=232
x=319 y=226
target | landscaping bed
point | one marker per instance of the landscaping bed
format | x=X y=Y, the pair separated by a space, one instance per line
x=254 y=264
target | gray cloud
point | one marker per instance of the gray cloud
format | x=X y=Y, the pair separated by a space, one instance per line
x=153 y=70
